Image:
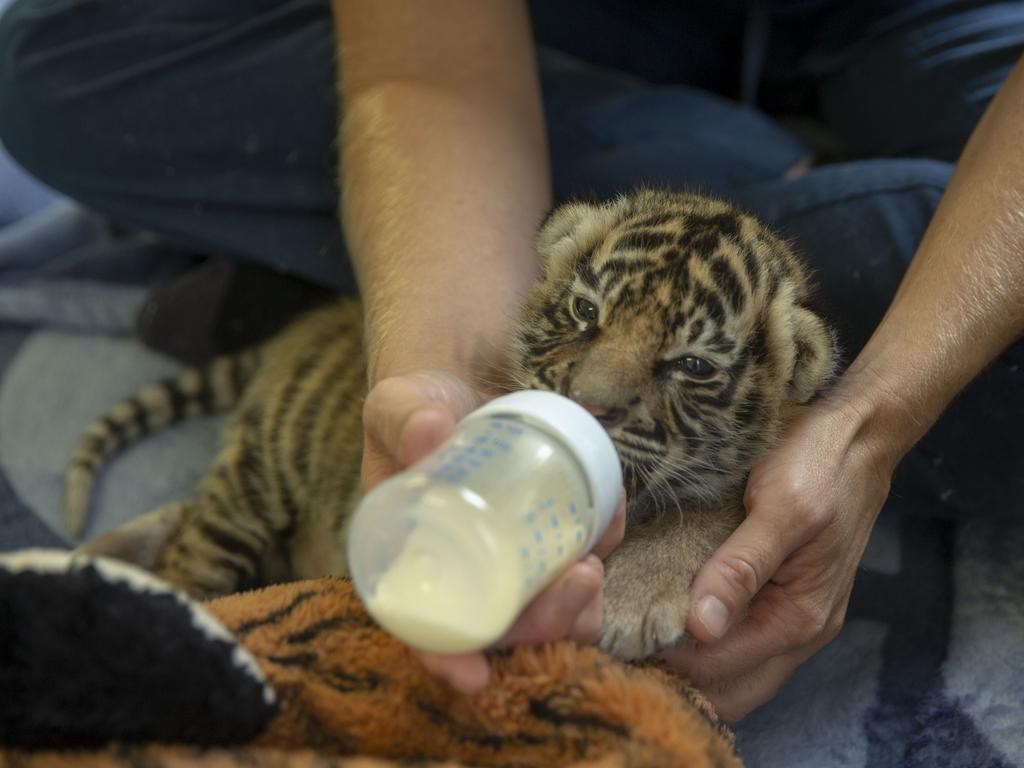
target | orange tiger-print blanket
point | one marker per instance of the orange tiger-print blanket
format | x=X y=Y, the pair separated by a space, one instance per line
x=350 y=695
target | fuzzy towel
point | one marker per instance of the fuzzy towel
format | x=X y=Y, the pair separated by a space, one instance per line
x=100 y=655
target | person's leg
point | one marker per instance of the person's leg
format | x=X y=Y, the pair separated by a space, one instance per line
x=610 y=132
x=917 y=79
x=859 y=224
x=218 y=126
x=211 y=123
x=696 y=43
x=20 y=195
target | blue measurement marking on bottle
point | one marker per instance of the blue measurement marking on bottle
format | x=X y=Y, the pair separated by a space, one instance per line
x=449 y=473
x=554 y=521
x=538 y=536
x=524 y=552
x=531 y=517
x=456 y=463
x=579 y=536
x=503 y=445
x=572 y=508
x=515 y=429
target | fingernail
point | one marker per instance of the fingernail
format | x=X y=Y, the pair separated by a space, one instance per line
x=588 y=624
x=593 y=562
x=466 y=674
x=472 y=679
x=713 y=614
x=579 y=591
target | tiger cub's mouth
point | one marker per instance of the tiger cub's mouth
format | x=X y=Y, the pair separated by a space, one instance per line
x=634 y=445
x=637 y=449
x=610 y=418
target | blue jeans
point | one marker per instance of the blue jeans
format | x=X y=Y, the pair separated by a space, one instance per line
x=215 y=123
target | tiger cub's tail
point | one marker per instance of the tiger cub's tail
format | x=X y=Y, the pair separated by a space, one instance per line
x=201 y=391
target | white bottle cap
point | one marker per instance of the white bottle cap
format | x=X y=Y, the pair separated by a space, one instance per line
x=581 y=433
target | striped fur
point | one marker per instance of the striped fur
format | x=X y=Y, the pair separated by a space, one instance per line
x=674 y=276
x=274 y=503
x=683 y=324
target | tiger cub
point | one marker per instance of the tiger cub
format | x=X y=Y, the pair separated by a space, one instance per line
x=683 y=325
x=678 y=321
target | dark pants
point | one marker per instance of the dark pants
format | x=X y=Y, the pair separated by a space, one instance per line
x=215 y=124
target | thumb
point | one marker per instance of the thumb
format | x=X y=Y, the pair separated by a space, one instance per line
x=735 y=573
x=406 y=417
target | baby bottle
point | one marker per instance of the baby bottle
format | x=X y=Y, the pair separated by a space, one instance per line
x=446 y=554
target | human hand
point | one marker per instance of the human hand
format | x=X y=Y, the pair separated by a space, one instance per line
x=811 y=504
x=405 y=418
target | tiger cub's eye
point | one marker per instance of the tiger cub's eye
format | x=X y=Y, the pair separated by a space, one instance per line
x=697 y=367
x=585 y=310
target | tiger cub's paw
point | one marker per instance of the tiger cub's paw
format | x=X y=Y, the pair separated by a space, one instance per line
x=641 y=615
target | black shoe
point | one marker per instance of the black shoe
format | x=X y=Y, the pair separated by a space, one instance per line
x=222 y=306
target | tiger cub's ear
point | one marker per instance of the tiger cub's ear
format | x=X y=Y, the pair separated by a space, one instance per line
x=804 y=347
x=815 y=355
x=570 y=230
x=560 y=222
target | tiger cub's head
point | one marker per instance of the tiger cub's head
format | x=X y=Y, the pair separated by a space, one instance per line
x=682 y=324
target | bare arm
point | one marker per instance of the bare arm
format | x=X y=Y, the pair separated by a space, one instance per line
x=962 y=299
x=811 y=504
x=444 y=181
x=445 y=174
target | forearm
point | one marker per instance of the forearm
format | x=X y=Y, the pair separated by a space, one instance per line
x=962 y=299
x=441 y=226
x=444 y=180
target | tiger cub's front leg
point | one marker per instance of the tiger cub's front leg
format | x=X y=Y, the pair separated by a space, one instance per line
x=648 y=578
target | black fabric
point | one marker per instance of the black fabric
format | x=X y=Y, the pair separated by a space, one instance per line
x=85 y=661
x=223 y=306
